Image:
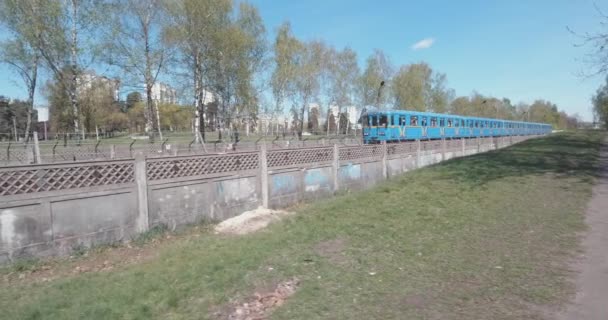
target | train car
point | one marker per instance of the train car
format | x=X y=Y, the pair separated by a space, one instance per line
x=402 y=125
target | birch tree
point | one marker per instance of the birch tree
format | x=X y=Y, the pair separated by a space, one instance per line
x=21 y=19
x=344 y=75
x=136 y=46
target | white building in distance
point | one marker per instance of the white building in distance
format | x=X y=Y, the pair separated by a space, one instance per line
x=89 y=79
x=163 y=93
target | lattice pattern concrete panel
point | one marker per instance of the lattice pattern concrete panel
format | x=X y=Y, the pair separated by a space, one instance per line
x=292 y=157
x=169 y=168
x=430 y=145
x=453 y=144
x=361 y=152
x=21 y=180
x=402 y=148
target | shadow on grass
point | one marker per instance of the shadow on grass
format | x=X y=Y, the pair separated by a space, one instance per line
x=565 y=155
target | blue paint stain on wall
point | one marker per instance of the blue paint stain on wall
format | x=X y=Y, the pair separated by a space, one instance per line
x=315 y=179
x=283 y=184
x=350 y=172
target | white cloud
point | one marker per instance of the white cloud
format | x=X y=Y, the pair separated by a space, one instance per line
x=423 y=44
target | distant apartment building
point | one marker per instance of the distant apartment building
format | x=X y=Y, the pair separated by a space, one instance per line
x=89 y=79
x=163 y=93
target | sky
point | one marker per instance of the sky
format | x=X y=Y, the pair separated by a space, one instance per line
x=518 y=49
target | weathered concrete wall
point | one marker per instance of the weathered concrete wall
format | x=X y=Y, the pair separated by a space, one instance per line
x=177 y=203
x=288 y=187
x=180 y=192
x=58 y=223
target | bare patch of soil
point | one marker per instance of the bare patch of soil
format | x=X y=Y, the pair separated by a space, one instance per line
x=261 y=304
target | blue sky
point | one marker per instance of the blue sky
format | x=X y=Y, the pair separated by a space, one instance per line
x=516 y=49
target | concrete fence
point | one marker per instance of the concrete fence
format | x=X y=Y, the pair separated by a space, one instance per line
x=48 y=210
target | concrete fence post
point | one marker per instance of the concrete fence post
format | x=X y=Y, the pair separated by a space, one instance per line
x=112 y=151
x=141 y=182
x=418 y=155
x=336 y=167
x=37 y=149
x=442 y=149
x=264 y=175
x=463 y=146
x=478 y=144
x=384 y=160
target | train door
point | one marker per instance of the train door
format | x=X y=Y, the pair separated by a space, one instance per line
x=424 y=123
x=401 y=124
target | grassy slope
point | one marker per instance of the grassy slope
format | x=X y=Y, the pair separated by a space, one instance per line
x=483 y=237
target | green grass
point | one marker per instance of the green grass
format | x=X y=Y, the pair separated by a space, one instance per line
x=482 y=237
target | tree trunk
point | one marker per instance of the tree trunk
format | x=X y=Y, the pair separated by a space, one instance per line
x=328 y=112
x=156 y=109
x=149 y=113
x=301 y=130
x=339 y=120
x=74 y=68
x=30 y=101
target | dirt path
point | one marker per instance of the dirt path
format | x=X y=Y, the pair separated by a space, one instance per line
x=591 y=300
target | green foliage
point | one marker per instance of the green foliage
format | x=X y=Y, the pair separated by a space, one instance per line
x=17 y=110
x=411 y=86
x=600 y=104
x=378 y=68
x=132 y=98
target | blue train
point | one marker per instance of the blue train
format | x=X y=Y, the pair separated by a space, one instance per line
x=402 y=125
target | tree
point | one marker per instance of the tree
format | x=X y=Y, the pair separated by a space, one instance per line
x=132 y=98
x=135 y=45
x=97 y=102
x=283 y=76
x=344 y=75
x=307 y=77
x=14 y=116
x=600 y=104
x=597 y=58
x=439 y=96
x=195 y=28
x=378 y=68
x=411 y=87
x=66 y=38
x=20 y=18
x=313 y=120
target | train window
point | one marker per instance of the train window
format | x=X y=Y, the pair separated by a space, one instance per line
x=476 y=124
x=413 y=121
x=373 y=121
x=383 y=120
x=442 y=122
x=424 y=121
x=449 y=122
x=433 y=122
x=402 y=121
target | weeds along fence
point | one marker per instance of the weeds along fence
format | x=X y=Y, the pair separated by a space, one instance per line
x=34 y=151
x=51 y=209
